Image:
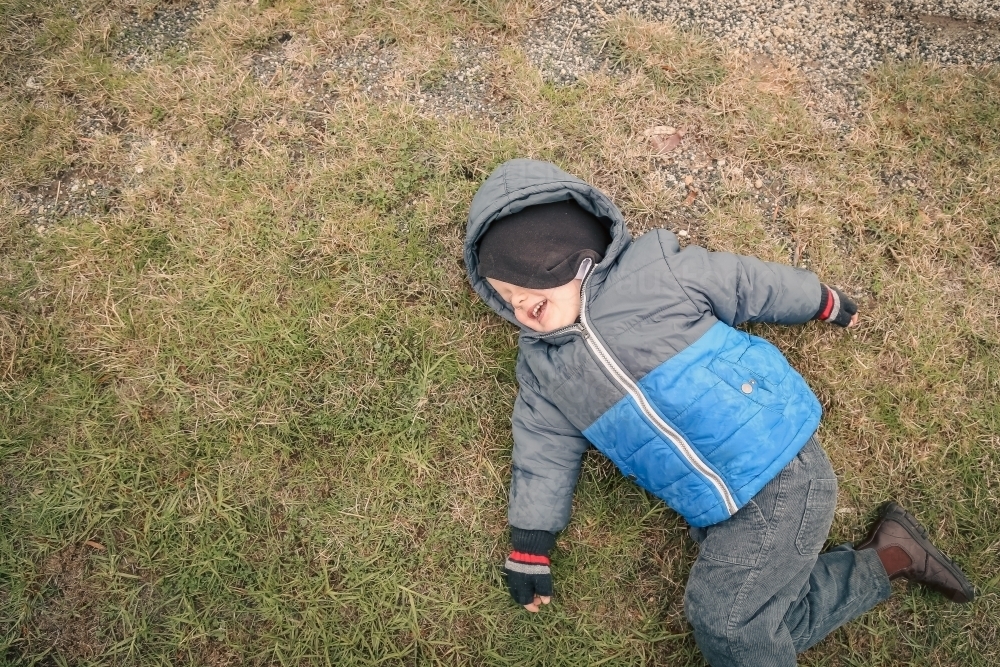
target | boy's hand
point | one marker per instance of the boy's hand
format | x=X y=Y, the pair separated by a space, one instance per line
x=837 y=308
x=529 y=579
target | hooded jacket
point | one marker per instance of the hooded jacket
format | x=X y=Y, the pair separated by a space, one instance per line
x=653 y=374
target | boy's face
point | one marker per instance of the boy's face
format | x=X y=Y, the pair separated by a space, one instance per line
x=542 y=309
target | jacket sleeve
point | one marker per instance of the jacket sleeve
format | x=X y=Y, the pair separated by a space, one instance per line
x=737 y=289
x=546 y=464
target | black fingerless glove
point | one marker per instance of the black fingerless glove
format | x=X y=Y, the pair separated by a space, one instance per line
x=527 y=567
x=835 y=307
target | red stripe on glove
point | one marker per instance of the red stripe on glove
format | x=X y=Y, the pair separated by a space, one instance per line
x=528 y=559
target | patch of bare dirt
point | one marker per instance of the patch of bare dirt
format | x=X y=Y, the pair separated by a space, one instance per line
x=952 y=29
x=75 y=192
x=67 y=620
x=213 y=653
x=460 y=83
x=99 y=122
x=689 y=177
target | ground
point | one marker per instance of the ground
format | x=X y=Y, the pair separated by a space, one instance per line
x=252 y=414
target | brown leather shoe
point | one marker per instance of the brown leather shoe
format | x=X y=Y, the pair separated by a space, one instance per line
x=905 y=551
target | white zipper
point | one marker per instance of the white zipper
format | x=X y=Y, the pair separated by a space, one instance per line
x=682 y=445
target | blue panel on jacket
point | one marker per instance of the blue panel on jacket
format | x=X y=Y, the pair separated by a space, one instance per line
x=628 y=439
x=736 y=401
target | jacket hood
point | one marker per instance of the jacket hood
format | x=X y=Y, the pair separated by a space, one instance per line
x=517 y=184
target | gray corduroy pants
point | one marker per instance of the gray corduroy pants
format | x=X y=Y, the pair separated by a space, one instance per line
x=760 y=592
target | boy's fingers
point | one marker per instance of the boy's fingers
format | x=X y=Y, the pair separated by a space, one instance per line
x=854 y=321
x=539 y=599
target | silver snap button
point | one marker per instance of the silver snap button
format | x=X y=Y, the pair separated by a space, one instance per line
x=746 y=387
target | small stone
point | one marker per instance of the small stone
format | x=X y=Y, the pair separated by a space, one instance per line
x=758 y=184
x=682 y=233
x=721 y=162
x=688 y=180
x=138 y=169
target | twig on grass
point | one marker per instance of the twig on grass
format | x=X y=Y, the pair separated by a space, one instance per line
x=799 y=249
x=568 y=37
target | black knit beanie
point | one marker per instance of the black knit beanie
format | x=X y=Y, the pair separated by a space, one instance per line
x=542 y=246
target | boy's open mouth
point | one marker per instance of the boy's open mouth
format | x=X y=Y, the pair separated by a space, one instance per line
x=536 y=312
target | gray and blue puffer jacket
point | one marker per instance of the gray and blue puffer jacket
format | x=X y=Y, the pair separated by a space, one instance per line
x=654 y=375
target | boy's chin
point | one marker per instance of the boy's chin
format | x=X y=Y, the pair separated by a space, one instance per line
x=549 y=326
x=535 y=326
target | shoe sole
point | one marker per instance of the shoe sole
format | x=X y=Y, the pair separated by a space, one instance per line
x=919 y=534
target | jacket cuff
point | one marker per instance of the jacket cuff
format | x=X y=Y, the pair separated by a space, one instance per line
x=538 y=542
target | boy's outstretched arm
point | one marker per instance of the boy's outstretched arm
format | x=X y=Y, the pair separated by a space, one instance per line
x=737 y=288
x=546 y=464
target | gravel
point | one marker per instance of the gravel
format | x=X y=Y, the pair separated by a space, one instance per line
x=73 y=196
x=833 y=43
x=460 y=87
x=148 y=38
x=467 y=86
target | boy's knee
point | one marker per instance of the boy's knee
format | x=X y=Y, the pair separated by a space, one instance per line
x=709 y=619
x=709 y=596
x=708 y=615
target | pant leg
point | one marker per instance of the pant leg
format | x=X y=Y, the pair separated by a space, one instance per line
x=842 y=585
x=759 y=592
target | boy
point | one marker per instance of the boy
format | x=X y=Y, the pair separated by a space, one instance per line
x=629 y=345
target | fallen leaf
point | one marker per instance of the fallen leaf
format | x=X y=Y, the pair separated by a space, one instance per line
x=658 y=129
x=662 y=144
x=691 y=197
x=96 y=545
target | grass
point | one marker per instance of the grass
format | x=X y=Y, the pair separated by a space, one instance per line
x=250 y=412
